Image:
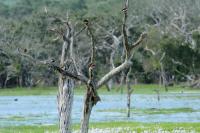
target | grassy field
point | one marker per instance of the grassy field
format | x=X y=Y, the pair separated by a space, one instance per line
x=130 y=126
x=138 y=89
x=152 y=110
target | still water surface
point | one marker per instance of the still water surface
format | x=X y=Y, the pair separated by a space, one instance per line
x=34 y=110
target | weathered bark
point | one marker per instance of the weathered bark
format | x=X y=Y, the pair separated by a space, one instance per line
x=129 y=92
x=113 y=72
x=128 y=51
x=162 y=73
x=65 y=102
x=66 y=85
x=91 y=98
x=5 y=82
x=163 y=76
x=65 y=96
x=115 y=45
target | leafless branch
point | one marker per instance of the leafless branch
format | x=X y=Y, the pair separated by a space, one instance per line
x=79 y=32
x=125 y=36
x=150 y=50
x=162 y=57
x=113 y=72
x=93 y=44
x=69 y=74
x=141 y=38
x=128 y=48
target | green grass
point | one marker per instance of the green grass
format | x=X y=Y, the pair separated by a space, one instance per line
x=80 y=90
x=134 y=126
x=152 y=111
x=28 y=91
x=17 y=118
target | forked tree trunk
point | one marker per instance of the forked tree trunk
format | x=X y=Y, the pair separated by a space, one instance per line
x=91 y=97
x=65 y=101
x=65 y=96
x=66 y=90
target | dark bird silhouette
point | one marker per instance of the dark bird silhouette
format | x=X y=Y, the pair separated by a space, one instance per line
x=15 y=99
x=25 y=50
x=91 y=65
x=86 y=22
x=57 y=20
x=52 y=60
x=125 y=9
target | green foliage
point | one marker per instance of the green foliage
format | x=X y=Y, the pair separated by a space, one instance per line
x=196 y=37
x=25 y=25
x=180 y=52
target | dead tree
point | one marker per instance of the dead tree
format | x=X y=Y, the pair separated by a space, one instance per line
x=68 y=72
x=66 y=84
x=115 y=45
x=159 y=56
x=128 y=55
x=91 y=97
x=129 y=92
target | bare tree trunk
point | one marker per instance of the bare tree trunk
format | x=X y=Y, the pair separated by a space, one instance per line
x=5 y=82
x=20 y=80
x=163 y=76
x=66 y=86
x=91 y=97
x=109 y=85
x=129 y=92
x=65 y=101
x=122 y=80
x=89 y=102
x=158 y=90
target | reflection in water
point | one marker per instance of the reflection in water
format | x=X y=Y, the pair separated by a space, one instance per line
x=29 y=110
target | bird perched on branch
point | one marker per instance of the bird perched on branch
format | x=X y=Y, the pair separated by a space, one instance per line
x=91 y=67
x=91 y=84
x=52 y=60
x=25 y=50
x=125 y=9
x=86 y=22
x=57 y=20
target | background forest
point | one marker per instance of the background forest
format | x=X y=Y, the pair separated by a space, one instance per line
x=171 y=51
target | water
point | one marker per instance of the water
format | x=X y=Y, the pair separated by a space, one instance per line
x=36 y=110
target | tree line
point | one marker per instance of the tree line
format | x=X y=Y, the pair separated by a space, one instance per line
x=170 y=54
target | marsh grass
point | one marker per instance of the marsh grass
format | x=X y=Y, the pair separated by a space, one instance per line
x=131 y=127
x=79 y=90
x=152 y=111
